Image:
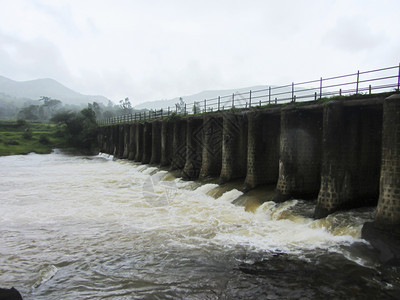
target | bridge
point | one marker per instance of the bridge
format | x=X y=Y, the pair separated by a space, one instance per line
x=342 y=151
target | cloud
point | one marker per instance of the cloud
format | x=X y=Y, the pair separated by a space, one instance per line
x=30 y=59
x=353 y=35
x=156 y=50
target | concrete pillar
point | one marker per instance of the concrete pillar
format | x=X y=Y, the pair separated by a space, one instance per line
x=388 y=210
x=139 y=142
x=115 y=141
x=132 y=142
x=147 y=133
x=300 y=153
x=351 y=157
x=110 y=147
x=167 y=129
x=263 y=148
x=178 y=144
x=126 y=130
x=194 y=148
x=155 y=142
x=234 y=146
x=120 y=146
x=110 y=144
x=100 y=138
x=104 y=139
x=212 y=145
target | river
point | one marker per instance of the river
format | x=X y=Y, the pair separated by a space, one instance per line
x=90 y=227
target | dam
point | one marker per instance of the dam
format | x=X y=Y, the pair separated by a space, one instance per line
x=345 y=153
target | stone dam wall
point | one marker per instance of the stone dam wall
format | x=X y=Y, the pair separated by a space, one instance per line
x=343 y=153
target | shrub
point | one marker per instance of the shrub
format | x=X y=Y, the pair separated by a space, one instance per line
x=11 y=142
x=21 y=122
x=27 y=135
x=44 y=139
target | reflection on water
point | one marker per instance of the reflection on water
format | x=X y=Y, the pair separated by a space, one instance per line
x=89 y=227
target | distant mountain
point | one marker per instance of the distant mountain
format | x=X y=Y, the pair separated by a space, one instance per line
x=212 y=94
x=34 y=89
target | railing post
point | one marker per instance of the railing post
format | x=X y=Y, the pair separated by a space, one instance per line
x=185 y=109
x=219 y=101
x=233 y=100
x=250 y=99
x=162 y=113
x=320 y=88
x=292 y=91
x=168 y=111
x=358 y=77
x=205 y=105
x=369 y=89
x=269 y=95
x=398 y=80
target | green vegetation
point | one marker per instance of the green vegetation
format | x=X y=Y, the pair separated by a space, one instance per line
x=75 y=131
x=43 y=109
x=22 y=138
x=79 y=130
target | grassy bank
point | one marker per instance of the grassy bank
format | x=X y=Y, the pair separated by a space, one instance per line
x=22 y=138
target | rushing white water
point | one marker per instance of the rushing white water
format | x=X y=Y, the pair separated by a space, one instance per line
x=76 y=227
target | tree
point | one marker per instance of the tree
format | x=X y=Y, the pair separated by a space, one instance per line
x=196 y=107
x=29 y=113
x=126 y=106
x=181 y=106
x=50 y=104
x=79 y=129
x=96 y=108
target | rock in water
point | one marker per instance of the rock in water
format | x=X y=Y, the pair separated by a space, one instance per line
x=10 y=294
x=384 y=239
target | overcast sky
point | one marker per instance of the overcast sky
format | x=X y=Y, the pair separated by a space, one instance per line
x=151 y=50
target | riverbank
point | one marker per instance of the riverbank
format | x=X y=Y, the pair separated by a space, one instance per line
x=23 y=138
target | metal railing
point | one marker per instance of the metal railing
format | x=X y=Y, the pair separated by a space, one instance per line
x=367 y=82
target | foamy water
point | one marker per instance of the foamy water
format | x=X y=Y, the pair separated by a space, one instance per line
x=77 y=227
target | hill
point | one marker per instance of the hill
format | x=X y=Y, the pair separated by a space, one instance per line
x=210 y=94
x=34 y=89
